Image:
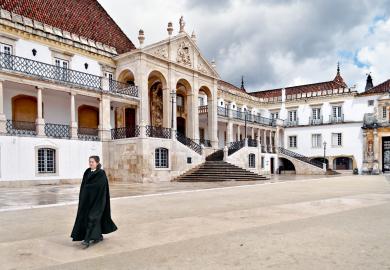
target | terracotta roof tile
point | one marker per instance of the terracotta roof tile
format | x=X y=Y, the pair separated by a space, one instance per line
x=85 y=18
x=380 y=88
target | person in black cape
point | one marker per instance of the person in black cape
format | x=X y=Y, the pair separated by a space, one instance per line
x=94 y=213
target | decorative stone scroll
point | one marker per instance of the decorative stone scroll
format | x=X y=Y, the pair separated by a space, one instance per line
x=183 y=54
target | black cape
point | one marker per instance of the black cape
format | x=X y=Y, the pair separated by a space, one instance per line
x=94 y=213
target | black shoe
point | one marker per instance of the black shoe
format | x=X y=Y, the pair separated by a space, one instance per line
x=85 y=244
x=98 y=240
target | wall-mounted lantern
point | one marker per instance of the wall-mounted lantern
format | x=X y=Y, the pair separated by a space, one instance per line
x=86 y=65
x=34 y=52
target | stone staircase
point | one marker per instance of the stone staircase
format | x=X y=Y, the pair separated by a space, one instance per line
x=211 y=171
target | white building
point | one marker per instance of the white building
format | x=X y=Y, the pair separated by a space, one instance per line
x=153 y=112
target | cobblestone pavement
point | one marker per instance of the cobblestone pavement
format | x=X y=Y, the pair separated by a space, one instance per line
x=17 y=197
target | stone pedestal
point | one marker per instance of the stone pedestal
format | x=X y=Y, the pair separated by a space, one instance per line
x=3 y=124
x=40 y=127
x=73 y=130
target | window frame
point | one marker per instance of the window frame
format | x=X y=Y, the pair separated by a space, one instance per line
x=318 y=140
x=46 y=172
x=339 y=139
x=296 y=141
x=159 y=161
x=252 y=160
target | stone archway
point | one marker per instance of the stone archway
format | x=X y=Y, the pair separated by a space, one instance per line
x=156 y=85
x=205 y=118
x=24 y=112
x=342 y=163
x=126 y=76
x=286 y=166
x=184 y=108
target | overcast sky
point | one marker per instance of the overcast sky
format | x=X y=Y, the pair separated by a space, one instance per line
x=273 y=43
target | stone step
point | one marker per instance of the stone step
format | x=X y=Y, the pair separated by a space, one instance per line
x=219 y=171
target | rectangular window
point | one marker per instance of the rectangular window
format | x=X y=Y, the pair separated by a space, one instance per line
x=292 y=141
x=274 y=115
x=384 y=112
x=46 y=160
x=371 y=102
x=201 y=101
x=292 y=116
x=252 y=160
x=262 y=162
x=62 y=69
x=5 y=48
x=179 y=101
x=316 y=140
x=336 y=111
x=336 y=139
x=316 y=113
x=161 y=158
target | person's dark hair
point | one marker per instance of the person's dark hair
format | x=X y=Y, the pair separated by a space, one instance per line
x=96 y=158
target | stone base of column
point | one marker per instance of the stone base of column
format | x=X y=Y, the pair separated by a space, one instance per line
x=3 y=124
x=104 y=134
x=375 y=167
x=74 y=131
x=40 y=127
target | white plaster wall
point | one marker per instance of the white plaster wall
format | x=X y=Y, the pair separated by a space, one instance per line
x=352 y=140
x=23 y=48
x=18 y=157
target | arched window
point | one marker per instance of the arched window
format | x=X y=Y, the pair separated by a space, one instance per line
x=161 y=158
x=46 y=160
x=252 y=160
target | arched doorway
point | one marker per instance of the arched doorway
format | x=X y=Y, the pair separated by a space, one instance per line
x=24 y=112
x=181 y=125
x=127 y=77
x=342 y=163
x=157 y=83
x=322 y=160
x=88 y=119
x=286 y=166
x=205 y=121
x=183 y=108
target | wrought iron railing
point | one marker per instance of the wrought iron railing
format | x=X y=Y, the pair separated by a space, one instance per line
x=57 y=131
x=252 y=142
x=206 y=143
x=336 y=119
x=300 y=157
x=21 y=128
x=316 y=121
x=123 y=88
x=222 y=111
x=291 y=123
x=189 y=143
x=158 y=132
x=203 y=109
x=88 y=134
x=235 y=146
x=125 y=132
x=62 y=75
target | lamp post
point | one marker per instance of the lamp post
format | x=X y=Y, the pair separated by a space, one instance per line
x=325 y=154
x=173 y=100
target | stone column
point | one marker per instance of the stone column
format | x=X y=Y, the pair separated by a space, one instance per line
x=166 y=107
x=40 y=122
x=3 y=119
x=73 y=122
x=365 y=161
x=253 y=133
x=229 y=132
x=141 y=81
x=104 y=118
x=214 y=115
x=238 y=132
x=172 y=89
x=191 y=107
x=375 y=169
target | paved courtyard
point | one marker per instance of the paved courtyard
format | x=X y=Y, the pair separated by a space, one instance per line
x=329 y=223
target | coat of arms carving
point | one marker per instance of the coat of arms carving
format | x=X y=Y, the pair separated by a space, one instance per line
x=183 y=54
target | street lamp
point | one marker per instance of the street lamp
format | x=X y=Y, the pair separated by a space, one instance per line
x=325 y=153
x=173 y=100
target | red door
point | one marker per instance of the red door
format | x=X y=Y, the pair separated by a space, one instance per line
x=130 y=122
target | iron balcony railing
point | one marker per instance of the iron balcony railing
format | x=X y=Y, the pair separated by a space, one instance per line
x=21 y=128
x=125 y=132
x=158 y=132
x=57 y=131
x=203 y=109
x=62 y=75
x=316 y=121
x=336 y=119
x=251 y=118
x=189 y=143
x=88 y=134
x=222 y=111
x=292 y=123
